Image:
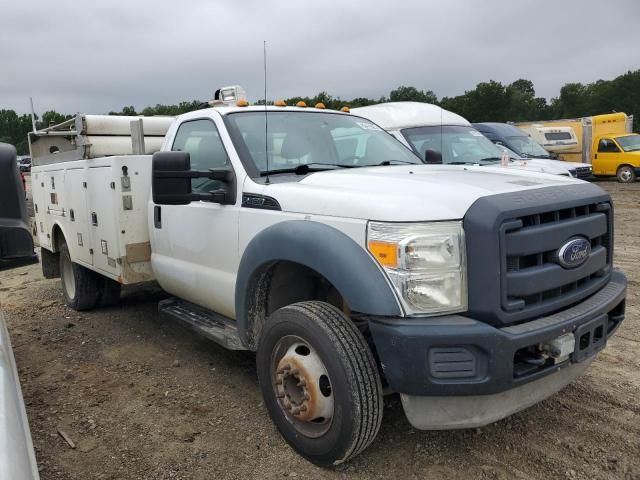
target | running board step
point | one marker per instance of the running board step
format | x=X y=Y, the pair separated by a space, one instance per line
x=206 y=322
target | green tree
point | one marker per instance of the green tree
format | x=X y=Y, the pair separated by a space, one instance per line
x=412 y=94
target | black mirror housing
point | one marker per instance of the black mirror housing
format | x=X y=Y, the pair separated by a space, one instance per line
x=167 y=188
x=171 y=181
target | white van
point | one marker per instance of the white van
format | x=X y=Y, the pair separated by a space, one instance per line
x=440 y=136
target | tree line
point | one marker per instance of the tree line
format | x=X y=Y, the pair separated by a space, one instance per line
x=488 y=101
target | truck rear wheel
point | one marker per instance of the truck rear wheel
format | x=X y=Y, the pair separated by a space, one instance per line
x=320 y=382
x=626 y=174
x=80 y=286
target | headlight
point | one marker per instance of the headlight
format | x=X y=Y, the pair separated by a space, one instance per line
x=425 y=262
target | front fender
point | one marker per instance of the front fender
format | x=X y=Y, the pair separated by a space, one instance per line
x=324 y=249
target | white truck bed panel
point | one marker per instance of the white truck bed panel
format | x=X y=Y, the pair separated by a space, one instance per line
x=100 y=206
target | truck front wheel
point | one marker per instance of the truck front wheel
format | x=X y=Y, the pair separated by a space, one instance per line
x=626 y=174
x=80 y=286
x=319 y=382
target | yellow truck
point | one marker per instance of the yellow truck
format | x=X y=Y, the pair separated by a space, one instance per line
x=606 y=141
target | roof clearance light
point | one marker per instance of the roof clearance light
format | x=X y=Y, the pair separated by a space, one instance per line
x=345 y=109
x=280 y=103
x=242 y=103
x=301 y=104
x=320 y=105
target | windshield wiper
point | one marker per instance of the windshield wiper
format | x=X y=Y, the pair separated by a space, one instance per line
x=305 y=168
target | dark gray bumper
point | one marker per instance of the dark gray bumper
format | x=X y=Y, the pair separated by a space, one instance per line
x=456 y=355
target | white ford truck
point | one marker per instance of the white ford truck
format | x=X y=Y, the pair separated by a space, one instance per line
x=317 y=240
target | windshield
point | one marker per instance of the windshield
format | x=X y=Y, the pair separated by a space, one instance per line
x=629 y=143
x=457 y=144
x=527 y=147
x=318 y=140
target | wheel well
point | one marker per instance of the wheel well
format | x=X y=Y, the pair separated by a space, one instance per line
x=57 y=237
x=624 y=165
x=282 y=283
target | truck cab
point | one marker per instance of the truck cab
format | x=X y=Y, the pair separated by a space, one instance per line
x=617 y=154
x=317 y=240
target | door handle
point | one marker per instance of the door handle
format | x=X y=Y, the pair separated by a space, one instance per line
x=157 y=216
x=595 y=156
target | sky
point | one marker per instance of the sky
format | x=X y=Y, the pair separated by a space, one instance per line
x=96 y=56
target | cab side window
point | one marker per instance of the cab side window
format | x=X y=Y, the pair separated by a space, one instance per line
x=607 y=146
x=201 y=139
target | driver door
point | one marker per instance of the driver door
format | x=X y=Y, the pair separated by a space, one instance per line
x=606 y=158
x=195 y=253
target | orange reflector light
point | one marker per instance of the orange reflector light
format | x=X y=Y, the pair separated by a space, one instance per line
x=320 y=105
x=301 y=104
x=345 y=109
x=280 y=103
x=242 y=103
x=385 y=253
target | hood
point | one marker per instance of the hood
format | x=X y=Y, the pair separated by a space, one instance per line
x=553 y=167
x=575 y=164
x=401 y=193
x=558 y=163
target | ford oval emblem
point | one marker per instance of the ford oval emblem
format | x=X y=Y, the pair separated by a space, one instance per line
x=574 y=253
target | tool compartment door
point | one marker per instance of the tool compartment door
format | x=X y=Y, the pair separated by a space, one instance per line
x=78 y=240
x=102 y=220
x=40 y=208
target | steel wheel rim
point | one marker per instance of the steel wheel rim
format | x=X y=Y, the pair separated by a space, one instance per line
x=302 y=386
x=69 y=279
x=625 y=174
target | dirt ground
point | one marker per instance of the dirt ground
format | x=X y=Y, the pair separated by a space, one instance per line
x=144 y=398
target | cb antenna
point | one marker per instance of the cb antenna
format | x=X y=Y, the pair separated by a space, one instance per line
x=266 y=117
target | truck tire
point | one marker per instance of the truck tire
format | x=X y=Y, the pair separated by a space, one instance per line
x=109 y=292
x=80 y=286
x=626 y=174
x=319 y=382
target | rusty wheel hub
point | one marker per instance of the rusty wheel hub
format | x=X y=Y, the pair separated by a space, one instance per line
x=302 y=385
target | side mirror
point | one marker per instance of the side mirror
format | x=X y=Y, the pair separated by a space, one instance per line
x=171 y=181
x=16 y=242
x=433 y=157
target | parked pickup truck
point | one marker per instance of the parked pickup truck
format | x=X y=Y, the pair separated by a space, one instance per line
x=350 y=267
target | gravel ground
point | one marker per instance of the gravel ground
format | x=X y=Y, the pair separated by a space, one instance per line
x=144 y=398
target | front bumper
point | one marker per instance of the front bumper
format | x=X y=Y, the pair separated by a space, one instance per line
x=471 y=411
x=459 y=356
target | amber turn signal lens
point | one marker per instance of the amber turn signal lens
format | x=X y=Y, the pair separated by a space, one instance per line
x=385 y=253
x=345 y=109
x=320 y=105
x=242 y=103
x=301 y=104
x=280 y=103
